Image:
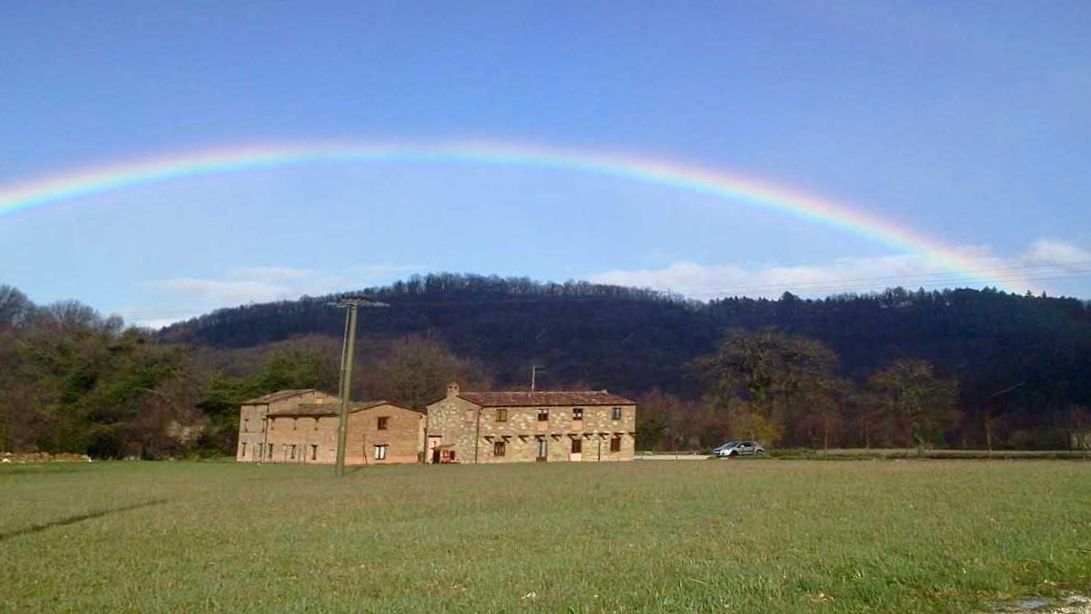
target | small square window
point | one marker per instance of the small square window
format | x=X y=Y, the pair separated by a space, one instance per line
x=543 y=415
x=577 y=413
x=381 y=425
x=615 y=444
x=499 y=448
x=502 y=414
x=380 y=451
x=615 y=413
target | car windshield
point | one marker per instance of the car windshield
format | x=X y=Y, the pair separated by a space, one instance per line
x=730 y=444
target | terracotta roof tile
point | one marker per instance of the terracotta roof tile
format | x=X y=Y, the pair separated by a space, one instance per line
x=544 y=398
x=324 y=409
x=280 y=395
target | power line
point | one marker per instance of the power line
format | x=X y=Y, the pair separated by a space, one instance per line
x=954 y=276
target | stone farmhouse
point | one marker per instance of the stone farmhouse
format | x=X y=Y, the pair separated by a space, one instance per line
x=300 y=426
x=508 y=427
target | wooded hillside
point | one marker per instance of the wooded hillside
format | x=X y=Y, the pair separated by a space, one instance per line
x=1017 y=368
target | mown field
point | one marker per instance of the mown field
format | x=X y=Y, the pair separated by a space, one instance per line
x=762 y=535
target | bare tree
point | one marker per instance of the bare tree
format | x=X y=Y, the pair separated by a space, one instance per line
x=920 y=403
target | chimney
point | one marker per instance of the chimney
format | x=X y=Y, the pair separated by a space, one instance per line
x=452 y=390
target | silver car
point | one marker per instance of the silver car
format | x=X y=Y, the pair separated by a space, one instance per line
x=741 y=447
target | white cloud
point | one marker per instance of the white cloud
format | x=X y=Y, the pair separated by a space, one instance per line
x=1057 y=253
x=270 y=273
x=1046 y=259
x=226 y=292
x=190 y=296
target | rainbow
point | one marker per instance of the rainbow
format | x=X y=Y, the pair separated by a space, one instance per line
x=722 y=185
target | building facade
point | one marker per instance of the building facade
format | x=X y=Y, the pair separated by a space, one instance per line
x=300 y=426
x=539 y=426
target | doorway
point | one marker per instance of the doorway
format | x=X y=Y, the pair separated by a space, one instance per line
x=433 y=448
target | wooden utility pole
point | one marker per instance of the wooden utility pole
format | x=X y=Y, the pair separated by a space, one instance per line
x=534 y=369
x=348 y=352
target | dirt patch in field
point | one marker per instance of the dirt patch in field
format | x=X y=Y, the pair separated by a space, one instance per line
x=1069 y=604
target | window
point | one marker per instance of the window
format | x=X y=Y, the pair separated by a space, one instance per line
x=577 y=446
x=316 y=424
x=577 y=414
x=543 y=415
x=381 y=423
x=615 y=444
x=292 y=457
x=502 y=414
x=314 y=451
x=499 y=448
x=243 y=452
x=543 y=449
x=615 y=413
x=380 y=451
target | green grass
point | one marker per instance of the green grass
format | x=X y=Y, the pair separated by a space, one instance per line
x=892 y=536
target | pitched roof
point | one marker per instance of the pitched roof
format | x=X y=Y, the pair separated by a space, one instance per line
x=323 y=409
x=279 y=395
x=544 y=397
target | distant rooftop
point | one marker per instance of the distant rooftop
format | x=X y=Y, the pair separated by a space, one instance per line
x=323 y=409
x=280 y=395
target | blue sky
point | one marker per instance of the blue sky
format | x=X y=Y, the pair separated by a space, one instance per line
x=966 y=122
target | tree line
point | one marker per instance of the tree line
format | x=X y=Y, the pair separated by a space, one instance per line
x=784 y=389
x=959 y=368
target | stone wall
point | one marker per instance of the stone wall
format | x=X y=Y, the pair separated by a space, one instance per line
x=302 y=439
x=473 y=431
x=313 y=439
x=253 y=444
x=454 y=421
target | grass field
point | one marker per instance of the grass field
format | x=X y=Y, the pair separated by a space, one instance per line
x=762 y=535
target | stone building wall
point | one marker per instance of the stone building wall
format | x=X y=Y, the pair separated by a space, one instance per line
x=522 y=430
x=302 y=439
x=472 y=432
x=403 y=435
x=454 y=421
x=310 y=436
x=253 y=443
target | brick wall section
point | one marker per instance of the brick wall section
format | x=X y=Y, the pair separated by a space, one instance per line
x=403 y=435
x=472 y=431
x=313 y=439
x=302 y=439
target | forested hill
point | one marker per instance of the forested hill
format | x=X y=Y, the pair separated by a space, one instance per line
x=635 y=340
